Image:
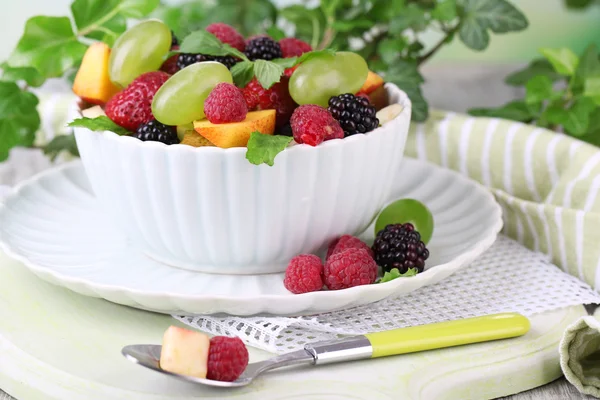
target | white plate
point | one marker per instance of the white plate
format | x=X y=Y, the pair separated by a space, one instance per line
x=52 y=223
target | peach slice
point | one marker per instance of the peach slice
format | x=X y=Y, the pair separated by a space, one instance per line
x=372 y=83
x=185 y=352
x=237 y=134
x=92 y=82
x=193 y=138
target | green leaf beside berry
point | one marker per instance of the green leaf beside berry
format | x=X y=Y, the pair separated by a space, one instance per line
x=262 y=149
x=394 y=273
x=101 y=123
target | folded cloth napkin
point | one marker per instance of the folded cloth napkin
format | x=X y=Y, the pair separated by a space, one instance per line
x=580 y=354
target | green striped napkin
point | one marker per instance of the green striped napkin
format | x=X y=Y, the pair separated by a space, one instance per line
x=547 y=183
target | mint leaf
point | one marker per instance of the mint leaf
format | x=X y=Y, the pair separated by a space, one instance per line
x=101 y=123
x=48 y=45
x=206 y=43
x=362 y=23
x=535 y=68
x=27 y=74
x=389 y=49
x=19 y=119
x=59 y=144
x=275 y=33
x=516 y=110
x=394 y=273
x=538 y=89
x=592 y=89
x=406 y=75
x=412 y=17
x=138 y=8
x=264 y=148
x=267 y=73
x=312 y=54
x=577 y=118
x=563 y=60
x=242 y=73
x=588 y=67
x=499 y=16
x=286 y=62
x=445 y=11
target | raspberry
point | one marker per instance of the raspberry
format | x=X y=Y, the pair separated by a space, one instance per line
x=348 y=268
x=262 y=48
x=355 y=114
x=347 y=242
x=170 y=65
x=227 y=34
x=225 y=104
x=132 y=106
x=292 y=47
x=304 y=274
x=157 y=132
x=313 y=124
x=227 y=358
x=400 y=246
x=277 y=97
x=290 y=71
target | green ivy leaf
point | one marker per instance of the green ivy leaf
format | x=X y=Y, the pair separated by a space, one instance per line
x=138 y=8
x=362 y=23
x=267 y=73
x=98 y=19
x=101 y=123
x=242 y=73
x=538 y=89
x=563 y=60
x=59 y=144
x=420 y=108
x=19 y=119
x=27 y=74
x=394 y=273
x=264 y=148
x=183 y=18
x=499 y=16
x=406 y=75
x=592 y=89
x=412 y=17
x=516 y=110
x=390 y=49
x=206 y=43
x=48 y=45
x=444 y=11
x=535 y=68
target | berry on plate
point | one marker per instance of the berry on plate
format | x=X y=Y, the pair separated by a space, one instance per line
x=304 y=274
x=132 y=107
x=347 y=242
x=355 y=114
x=227 y=358
x=400 y=246
x=313 y=125
x=277 y=97
x=154 y=131
x=407 y=210
x=292 y=47
x=349 y=268
x=225 y=104
x=262 y=48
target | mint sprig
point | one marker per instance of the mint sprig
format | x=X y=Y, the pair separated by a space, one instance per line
x=394 y=273
x=101 y=123
x=262 y=149
x=204 y=42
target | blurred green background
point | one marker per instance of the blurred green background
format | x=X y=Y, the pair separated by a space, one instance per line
x=551 y=25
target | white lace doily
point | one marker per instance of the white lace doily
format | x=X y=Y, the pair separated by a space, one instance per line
x=508 y=277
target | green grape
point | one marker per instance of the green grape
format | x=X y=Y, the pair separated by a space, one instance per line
x=320 y=78
x=407 y=210
x=141 y=49
x=180 y=100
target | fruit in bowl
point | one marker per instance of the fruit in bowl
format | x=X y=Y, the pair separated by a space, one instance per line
x=225 y=156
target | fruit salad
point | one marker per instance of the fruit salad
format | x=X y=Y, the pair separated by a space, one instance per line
x=216 y=88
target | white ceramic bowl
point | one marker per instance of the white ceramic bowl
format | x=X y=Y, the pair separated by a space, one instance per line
x=208 y=209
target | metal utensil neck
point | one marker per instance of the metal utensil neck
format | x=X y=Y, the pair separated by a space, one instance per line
x=339 y=350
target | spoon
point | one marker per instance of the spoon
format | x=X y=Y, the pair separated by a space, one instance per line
x=371 y=345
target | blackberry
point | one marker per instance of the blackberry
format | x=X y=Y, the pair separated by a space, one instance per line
x=355 y=114
x=263 y=48
x=400 y=246
x=174 y=40
x=187 y=59
x=157 y=132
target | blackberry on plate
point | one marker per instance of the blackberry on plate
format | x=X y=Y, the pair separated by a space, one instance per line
x=263 y=48
x=354 y=113
x=187 y=59
x=157 y=132
x=400 y=246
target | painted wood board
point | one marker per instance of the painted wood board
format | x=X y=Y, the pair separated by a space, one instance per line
x=56 y=344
